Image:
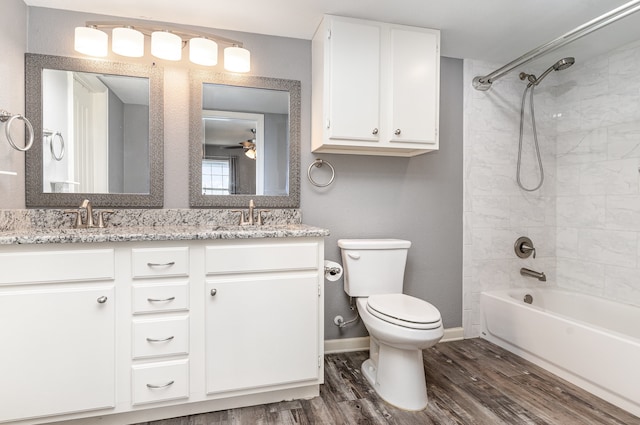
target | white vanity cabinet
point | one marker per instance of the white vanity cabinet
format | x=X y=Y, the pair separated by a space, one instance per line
x=57 y=321
x=126 y=332
x=375 y=88
x=262 y=314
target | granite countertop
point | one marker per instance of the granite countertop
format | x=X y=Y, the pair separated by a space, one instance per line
x=157 y=233
x=130 y=225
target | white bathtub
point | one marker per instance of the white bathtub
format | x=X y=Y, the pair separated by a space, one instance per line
x=591 y=342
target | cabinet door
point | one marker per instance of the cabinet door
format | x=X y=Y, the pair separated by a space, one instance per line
x=413 y=86
x=261 y=331
x=354 y=81
x=58 y=351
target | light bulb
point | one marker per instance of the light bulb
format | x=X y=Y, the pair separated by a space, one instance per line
x=91 y=41
x=127 y=41
x=165 y=45
x=237 y=59
x=203 y=51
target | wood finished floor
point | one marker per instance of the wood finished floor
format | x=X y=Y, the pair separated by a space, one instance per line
x=469 y=382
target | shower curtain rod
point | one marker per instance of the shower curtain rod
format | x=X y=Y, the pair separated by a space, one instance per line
x=484 y=83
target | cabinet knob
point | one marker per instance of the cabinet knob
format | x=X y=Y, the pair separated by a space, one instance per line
x=102 y=300
x=375 y=131
x=397 y=132
x=214 y=291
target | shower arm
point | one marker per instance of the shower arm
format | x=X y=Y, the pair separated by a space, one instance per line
x=483 y=83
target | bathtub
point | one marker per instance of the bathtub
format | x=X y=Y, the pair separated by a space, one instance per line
x=591 y=342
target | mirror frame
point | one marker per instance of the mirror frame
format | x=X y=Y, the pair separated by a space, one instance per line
x=35 y=195
x=196 y=198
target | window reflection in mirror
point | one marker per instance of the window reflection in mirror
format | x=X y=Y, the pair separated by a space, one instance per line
x=96 y=133
x=244 y=141
x=247 y=129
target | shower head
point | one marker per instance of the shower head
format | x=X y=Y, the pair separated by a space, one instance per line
x=562 y=64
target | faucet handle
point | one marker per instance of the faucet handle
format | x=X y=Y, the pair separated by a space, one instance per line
x=242 y=221
x=101 y=219
x=78 y=218
x=260 y=217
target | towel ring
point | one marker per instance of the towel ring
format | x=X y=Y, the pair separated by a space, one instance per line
x=319 y=163
x=9 y=118
x=52 y=136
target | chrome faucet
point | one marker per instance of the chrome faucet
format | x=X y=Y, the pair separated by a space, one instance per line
x=532 y=273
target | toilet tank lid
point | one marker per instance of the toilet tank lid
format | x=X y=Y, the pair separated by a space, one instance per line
x=373 y=244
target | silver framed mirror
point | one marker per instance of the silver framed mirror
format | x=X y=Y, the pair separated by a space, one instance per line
x=244 y=141
x=99 y=131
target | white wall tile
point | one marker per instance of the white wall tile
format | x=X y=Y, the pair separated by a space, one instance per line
x=581 y=147
x=623 y=212
x=581 y=211
x=491 y=211
x=624 y=140
x=581 y=276
x=621 y=284
x=615 y=177
x=612 y=247
x=567 y=242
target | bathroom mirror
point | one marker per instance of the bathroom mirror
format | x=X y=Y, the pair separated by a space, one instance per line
x=98 y=128
x=244 y=141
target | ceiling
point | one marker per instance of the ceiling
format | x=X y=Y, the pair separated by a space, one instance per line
x=493 y=30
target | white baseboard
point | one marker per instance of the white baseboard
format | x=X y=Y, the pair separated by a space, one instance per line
x=345 y=345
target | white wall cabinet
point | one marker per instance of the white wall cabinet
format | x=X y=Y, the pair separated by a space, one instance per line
x=375 y=88
x=131 y=332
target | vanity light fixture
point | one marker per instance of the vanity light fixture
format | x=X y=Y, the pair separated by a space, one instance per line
x=166 y=43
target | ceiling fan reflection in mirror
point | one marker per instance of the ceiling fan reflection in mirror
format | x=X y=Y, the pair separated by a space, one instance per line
x=249 y=147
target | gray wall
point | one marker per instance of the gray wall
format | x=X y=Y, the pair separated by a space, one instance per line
x=136 y=171
x=419 y=199
x=13 y=33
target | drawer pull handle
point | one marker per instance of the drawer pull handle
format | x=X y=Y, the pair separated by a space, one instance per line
x=157 y=300
x=102 y=300
x=160 y=340
x=169 y=264
x=156 y=387
x=214 y=291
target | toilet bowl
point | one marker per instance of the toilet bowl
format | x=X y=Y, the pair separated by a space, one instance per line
x=395 y=365
x=400 y=326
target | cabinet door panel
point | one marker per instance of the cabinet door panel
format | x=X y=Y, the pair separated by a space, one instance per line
x=414 y=85
x=58 y=351
x=354 y=68
x=261 y=331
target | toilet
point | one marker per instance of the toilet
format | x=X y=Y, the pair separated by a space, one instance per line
x=400 y=326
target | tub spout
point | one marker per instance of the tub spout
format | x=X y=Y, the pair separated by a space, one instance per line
x=538 y=275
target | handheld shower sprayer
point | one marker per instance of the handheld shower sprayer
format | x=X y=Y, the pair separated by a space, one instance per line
x=562 y=64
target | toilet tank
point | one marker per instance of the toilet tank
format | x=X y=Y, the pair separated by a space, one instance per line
x=373 y=266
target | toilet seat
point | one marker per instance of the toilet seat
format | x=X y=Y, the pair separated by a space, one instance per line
x=404 y=310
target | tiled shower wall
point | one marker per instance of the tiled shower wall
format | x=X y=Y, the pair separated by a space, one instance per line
x=585 y=220
x=496 y=211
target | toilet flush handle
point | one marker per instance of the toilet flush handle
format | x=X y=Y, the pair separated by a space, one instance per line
x=354 y=255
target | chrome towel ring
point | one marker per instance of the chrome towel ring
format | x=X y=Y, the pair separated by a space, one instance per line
x=319 y=163
x=8 y=118
x=51 y=135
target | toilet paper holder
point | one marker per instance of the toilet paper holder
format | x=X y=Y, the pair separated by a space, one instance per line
x=331 y=270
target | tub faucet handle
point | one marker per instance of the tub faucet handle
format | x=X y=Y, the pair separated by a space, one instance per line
x=524 y=247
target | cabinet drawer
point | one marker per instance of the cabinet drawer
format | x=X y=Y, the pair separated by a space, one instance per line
x=261 y=257
x=56 y=266
x=155 y=262
x=152 y=298
x=160 y=381
x=160 y=337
